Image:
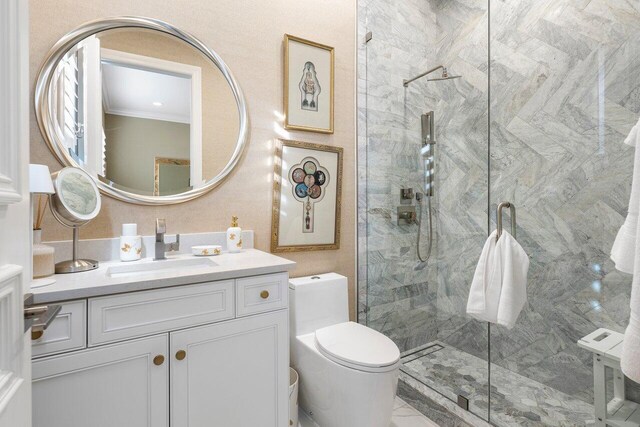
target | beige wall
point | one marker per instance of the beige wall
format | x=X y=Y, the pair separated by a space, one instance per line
x=248 y=36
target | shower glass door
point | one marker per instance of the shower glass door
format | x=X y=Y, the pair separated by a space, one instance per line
x=564 y=94
x=420 y=305
x=457 y=365
x=548 y=93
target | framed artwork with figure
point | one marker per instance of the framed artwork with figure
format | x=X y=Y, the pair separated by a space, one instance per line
x=307 y=187
x=308 y=85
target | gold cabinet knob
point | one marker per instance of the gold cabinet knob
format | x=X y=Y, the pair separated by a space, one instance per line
x=181 y=354
x=264 y=294
x=158 y=360
x=36 y=335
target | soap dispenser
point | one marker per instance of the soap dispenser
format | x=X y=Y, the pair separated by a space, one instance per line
x=234 y=236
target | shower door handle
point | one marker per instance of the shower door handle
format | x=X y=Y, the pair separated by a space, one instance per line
x=512 y=211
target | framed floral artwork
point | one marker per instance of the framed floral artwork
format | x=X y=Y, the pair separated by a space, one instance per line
x=308 y=85
x=307 y=188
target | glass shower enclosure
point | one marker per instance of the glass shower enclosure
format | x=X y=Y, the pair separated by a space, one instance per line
x=548 y=92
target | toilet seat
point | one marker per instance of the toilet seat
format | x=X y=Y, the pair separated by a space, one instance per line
x=358 y=347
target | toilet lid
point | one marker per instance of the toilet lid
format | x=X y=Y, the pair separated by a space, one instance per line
x=354 y=345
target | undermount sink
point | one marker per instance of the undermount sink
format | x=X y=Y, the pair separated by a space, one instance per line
x=178 y=265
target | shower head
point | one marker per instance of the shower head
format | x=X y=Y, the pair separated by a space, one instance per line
x=445 y=76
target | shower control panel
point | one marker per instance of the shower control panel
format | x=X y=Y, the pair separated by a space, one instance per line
x=406 y=215
x=406 y=194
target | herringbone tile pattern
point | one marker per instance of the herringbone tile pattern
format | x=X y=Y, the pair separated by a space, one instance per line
x=564 y=83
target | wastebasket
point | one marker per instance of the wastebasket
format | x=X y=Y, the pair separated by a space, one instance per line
x=293 y=397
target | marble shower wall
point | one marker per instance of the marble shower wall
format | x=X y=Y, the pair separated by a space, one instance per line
x=411 y=302
x=397 y=292
x=462 y=171
x=565 y=91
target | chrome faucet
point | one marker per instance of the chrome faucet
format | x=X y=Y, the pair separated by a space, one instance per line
x=161 y=246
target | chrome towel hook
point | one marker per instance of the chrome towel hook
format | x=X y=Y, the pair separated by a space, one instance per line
x=512 y=211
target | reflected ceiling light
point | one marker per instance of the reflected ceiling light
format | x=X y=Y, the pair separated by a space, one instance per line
x=595 y=305
x=157 y=104
x=279 y=115
x=282 y=133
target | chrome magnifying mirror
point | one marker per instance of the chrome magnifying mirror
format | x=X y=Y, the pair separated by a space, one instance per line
x=76 y=201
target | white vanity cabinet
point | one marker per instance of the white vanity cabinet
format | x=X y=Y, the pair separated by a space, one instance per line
x=229 y=374
x=213 y=353
x=114 y=385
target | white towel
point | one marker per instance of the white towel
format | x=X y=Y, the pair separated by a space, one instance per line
x=630 y=360
x=499 y=289
x=624 y=247
x=625 y=253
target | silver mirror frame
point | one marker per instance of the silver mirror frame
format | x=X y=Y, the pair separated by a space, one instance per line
x=60 y=208
x=42 y=103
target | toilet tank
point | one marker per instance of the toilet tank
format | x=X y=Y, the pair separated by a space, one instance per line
x=317 y=301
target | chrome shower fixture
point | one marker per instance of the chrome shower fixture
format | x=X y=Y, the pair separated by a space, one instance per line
x=427 y=128
x=445 y=75
x=427 y=122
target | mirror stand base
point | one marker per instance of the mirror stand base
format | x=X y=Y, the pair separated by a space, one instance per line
x=76 y=266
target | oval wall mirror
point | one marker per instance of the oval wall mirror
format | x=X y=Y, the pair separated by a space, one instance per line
x=152 y=114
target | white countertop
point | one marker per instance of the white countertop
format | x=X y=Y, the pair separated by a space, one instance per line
x=249 y=262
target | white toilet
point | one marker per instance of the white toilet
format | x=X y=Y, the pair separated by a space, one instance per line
x=348 y=372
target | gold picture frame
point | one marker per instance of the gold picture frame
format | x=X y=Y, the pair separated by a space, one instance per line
x=300 y=123
x=157 y=161
x=303 y=151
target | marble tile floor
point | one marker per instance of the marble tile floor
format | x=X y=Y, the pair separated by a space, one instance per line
x=404 y=415
x=516 y=400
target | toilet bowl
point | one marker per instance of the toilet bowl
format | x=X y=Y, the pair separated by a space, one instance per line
x=348 y=372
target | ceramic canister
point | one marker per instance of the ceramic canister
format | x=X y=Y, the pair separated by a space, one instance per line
x=130 y=243
x=43 y=257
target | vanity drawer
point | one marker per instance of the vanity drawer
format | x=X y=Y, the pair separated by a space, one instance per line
x=261 y=293
x=125 y=316
x=68 y=331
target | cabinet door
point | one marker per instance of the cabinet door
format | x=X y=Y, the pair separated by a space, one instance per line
x=232 y=374
x=116 y=385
